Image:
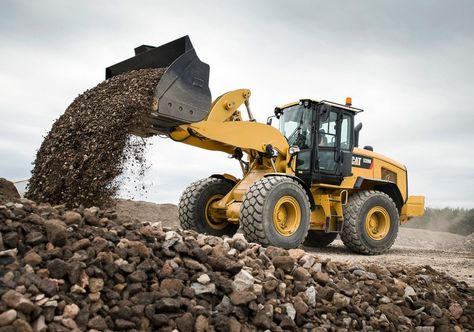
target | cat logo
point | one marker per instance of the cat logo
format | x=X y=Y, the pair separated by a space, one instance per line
x=361 y=161
x=356 y=161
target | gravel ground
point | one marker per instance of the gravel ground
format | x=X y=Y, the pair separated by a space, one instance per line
x=457 y=264
x=415 y=247
x=442 y=251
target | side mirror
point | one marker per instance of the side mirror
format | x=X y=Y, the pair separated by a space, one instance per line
x=269 y=120
x=278 y=112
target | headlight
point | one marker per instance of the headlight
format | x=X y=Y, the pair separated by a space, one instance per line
x=294 y=149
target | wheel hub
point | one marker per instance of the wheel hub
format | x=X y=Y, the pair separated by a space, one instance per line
x=286 y=215
x=213 y=219
x=377 y=223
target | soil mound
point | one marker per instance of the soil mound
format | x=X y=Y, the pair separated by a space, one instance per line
x=167 y=214
x=87 y=269
x=8 y=192
x=89 y=144
x=468 y=243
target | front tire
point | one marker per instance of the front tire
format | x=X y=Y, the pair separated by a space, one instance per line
x=275 y=211
x=194 y=212
x=370 y=222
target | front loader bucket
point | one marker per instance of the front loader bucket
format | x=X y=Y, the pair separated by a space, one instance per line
x=183 y=93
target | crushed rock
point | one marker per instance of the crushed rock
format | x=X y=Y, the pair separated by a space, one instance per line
x=117 y=275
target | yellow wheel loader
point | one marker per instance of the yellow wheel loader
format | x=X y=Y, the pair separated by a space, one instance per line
x=305 y=183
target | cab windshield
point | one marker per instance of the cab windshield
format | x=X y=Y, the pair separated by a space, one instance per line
x=295 y=125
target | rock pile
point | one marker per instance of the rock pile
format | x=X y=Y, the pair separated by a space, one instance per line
x=8 y=191
x=63 y=270
x=89 y=144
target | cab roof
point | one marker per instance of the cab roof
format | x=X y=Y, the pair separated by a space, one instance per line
x=346 y=107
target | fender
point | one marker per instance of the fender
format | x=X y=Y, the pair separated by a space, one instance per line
x=226 y=176
x=388 y=187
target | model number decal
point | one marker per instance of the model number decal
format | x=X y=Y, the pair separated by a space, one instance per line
x=361 y=161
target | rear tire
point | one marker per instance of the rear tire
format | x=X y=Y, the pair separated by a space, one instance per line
x=193 y=209
x=319 y=239
x=275 y=211
x=370 y=222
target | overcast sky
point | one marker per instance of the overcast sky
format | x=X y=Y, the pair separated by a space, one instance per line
x=408 y=64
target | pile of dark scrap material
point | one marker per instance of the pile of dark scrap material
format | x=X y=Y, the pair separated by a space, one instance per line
x=80 y=269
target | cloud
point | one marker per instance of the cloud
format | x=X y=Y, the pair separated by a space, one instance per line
x=408 y=64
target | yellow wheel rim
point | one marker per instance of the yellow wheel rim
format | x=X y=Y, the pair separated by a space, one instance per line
x=377 y=223
x=287 y=215
x=212 y=218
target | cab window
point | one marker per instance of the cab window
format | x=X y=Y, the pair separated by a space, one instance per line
x=346 y=132
x=296 y=123
x=327 y=130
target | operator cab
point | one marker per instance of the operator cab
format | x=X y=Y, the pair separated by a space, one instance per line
x=323 y=132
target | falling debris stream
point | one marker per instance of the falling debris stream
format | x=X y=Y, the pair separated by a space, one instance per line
x=88 y=146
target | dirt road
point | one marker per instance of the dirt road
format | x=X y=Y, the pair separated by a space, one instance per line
x=454 y=262
x=442 y=251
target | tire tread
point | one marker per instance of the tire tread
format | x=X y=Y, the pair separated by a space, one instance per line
x=349 y=235
x=251 y=211
x=188 y=202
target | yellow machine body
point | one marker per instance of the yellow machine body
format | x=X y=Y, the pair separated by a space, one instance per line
x=225 y=130
x=300 y=184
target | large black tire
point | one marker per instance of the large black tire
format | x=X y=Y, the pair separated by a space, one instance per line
x=192 y=210
x=277 y=196
x=319 y=239
x=358 y=235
